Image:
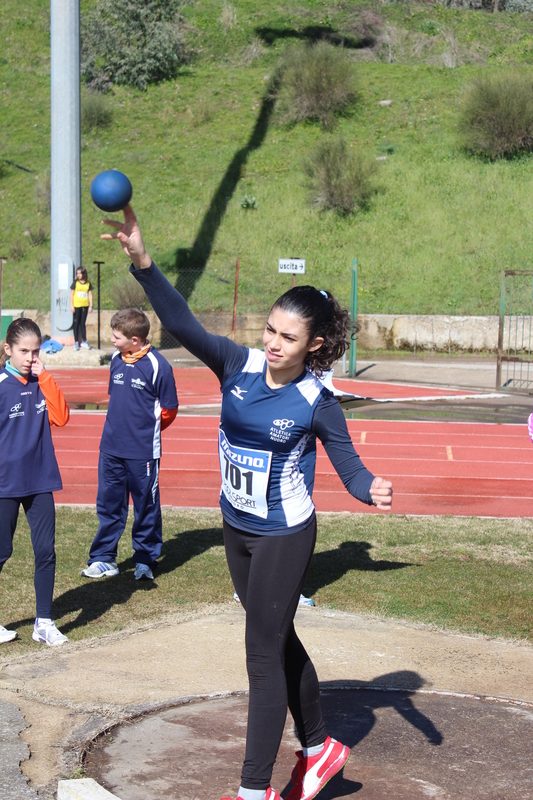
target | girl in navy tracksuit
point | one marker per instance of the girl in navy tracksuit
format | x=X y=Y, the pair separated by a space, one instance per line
x=30 y=402
x=273 y=409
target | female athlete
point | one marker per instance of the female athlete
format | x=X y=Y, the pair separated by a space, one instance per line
x=274 y=408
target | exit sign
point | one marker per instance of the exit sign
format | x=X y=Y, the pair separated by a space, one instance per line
x=295 y=266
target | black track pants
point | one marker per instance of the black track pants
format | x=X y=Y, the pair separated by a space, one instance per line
x=40 y=513
x=78 y=324
x=268 y=573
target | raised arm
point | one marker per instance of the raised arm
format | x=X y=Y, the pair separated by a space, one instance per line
x=330 y=426
x=220 y=354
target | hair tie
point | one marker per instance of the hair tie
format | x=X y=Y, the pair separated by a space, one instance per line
x=323 y=293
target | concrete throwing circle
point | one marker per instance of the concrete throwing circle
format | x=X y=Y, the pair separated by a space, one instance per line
x=405 y=745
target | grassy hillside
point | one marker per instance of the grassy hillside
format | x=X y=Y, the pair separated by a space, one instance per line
x=435 y=237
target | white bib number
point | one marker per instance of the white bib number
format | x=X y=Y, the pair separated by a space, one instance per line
x=245 y=473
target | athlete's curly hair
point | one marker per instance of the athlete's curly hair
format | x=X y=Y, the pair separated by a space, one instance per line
x=19 y=328
x=323 y=316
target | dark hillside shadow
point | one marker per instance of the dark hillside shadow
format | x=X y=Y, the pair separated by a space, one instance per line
x=329 y=566
x=317 y=33
x=190 y=262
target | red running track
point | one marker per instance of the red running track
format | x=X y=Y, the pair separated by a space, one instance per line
x=198 y=386
x=436 y=467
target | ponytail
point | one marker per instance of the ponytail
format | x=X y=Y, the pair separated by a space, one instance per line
x=324 y=317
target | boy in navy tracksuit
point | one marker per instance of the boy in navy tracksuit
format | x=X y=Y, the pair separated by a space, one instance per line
x=142 y=402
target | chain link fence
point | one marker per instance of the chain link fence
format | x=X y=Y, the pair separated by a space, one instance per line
x=514 y=367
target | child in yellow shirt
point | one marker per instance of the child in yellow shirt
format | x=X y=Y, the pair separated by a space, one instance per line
x=81 y=303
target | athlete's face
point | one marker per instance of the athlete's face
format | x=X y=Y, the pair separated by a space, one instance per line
x=79 y=276
x=124 y=344
x=286 y=342
x=23 y=353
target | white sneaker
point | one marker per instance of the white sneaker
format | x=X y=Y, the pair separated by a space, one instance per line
x=143 y=571
x=305 y=602
x=76 y=345
x=101 y=569
x=45 y=631
x=86 y=345
x=6 y=636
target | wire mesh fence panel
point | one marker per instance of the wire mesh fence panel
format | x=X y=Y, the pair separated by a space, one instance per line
x=514 y=368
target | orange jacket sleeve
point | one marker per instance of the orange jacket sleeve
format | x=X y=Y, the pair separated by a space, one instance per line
x=58 y=412
x=168 y=415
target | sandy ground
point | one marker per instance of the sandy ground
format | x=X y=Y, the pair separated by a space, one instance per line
x=70 y=695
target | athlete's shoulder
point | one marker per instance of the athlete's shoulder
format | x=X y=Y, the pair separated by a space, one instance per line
x=311 y=388
x=255 y=361
x=4 y=375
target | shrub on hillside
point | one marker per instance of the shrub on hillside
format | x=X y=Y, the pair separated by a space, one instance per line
x=133 y=42
x=44 y=265
x=95 y=112
x=318 y=83
x=497 y=116
x=38 y=235
x=43 y=193
x=339 y=179
x=17 y=249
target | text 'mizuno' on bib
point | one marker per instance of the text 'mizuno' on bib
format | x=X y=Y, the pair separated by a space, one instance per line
x=245 y=473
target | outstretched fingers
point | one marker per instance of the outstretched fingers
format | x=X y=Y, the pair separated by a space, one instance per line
x=113 y=222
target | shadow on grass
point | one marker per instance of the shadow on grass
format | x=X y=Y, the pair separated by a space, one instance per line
x=327 y=567
x=190 y=262
x=94 y=597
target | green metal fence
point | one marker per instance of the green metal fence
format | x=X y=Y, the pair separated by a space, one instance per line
x=514 y=368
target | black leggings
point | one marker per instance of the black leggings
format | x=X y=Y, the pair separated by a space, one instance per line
x=78 y=324
x=41 y=516
x=268 y=573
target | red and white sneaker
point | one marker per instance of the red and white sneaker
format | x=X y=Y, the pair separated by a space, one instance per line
x=270 y=795
x=311 y=774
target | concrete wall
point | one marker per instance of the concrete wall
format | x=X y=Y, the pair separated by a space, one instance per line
x=248 y=328
x=419 y=332
x=409 y=333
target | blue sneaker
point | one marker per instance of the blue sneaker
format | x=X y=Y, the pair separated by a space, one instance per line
x=143 y=571
x=101 y=569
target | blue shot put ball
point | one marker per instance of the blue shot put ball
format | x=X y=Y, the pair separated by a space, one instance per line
x=111 y=190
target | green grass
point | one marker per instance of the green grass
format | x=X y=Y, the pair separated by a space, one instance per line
x=435 y=238
x=457 y=574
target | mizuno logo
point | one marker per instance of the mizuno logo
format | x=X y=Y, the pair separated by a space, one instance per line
x=239 y=393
